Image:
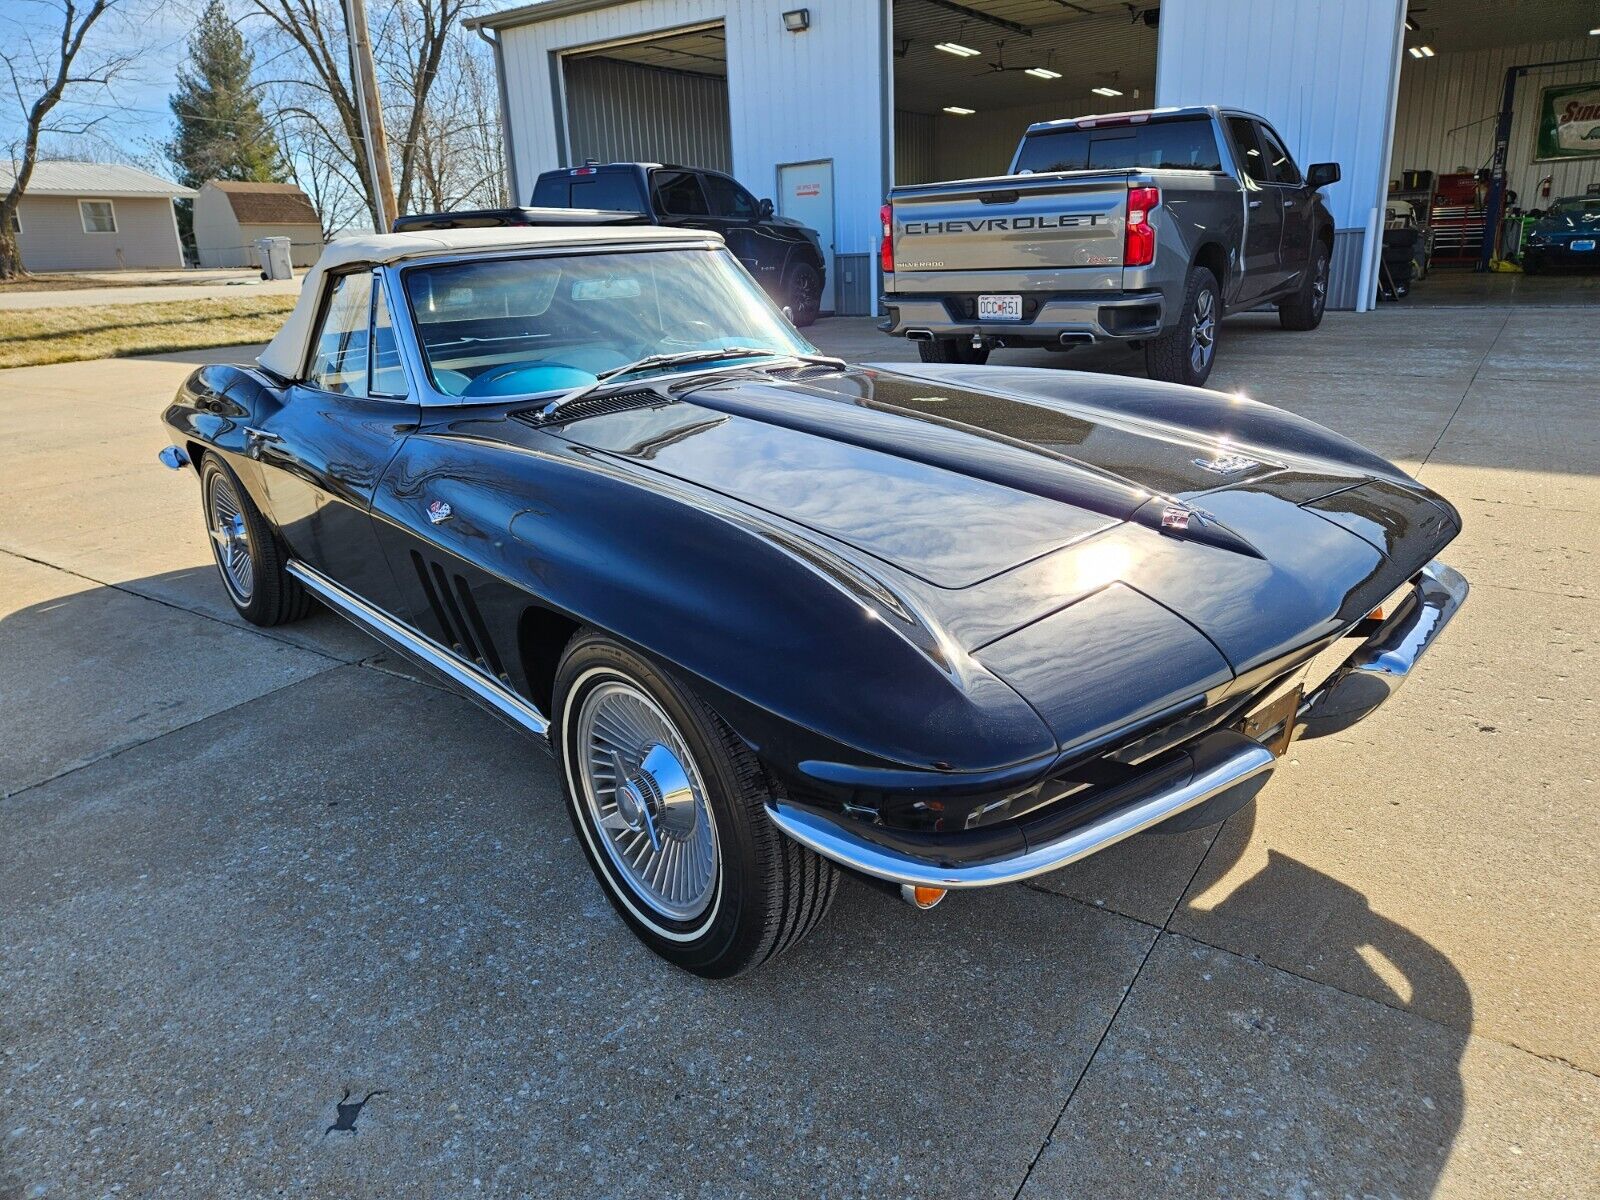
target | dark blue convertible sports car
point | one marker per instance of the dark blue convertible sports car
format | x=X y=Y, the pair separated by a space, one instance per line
x=1566 y=236
x=775 y=616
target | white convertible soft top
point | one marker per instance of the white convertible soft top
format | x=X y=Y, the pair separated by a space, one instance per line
x=286 y=353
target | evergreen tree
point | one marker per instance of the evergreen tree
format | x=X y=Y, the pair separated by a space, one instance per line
x=221 y=132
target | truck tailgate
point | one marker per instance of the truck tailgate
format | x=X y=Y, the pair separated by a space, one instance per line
x=1013 y=222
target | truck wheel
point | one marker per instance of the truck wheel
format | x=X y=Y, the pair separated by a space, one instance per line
x=669 y=805
x=1303 y=310
x=952 y=350
x=805 y=294
x=1184 y=353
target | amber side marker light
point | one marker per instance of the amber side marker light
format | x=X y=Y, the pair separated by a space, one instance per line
x=921 y=897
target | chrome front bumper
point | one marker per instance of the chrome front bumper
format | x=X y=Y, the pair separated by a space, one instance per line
x=1386 y=660
x=1219 y=763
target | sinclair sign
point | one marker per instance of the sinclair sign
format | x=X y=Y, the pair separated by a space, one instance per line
x=1569 y=122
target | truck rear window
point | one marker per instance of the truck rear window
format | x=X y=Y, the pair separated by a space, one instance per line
x=614 y=190
x=1185 y=144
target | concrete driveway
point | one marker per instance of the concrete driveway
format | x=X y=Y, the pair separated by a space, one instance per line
x=276 y=918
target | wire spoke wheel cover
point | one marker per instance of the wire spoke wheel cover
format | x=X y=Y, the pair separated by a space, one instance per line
x=1203 y=338
x=230 y=537
x=646 y=800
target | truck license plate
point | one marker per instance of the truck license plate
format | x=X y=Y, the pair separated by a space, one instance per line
x=1584 y=244
x=999 y=308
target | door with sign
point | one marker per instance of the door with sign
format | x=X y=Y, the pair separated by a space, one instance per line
x=805 y=193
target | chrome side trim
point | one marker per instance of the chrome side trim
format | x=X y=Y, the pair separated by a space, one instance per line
x=477 y=683
x=1385 y=661
x=831 y=839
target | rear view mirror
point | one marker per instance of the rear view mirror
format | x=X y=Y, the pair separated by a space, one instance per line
x=1320 y=175
x=764 y=210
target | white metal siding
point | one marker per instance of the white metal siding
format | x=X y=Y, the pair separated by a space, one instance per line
x=791 y=97
x=626 y=112
x=52 y=237
x=217 y=240
x=1323 y=74
x=1449 y=103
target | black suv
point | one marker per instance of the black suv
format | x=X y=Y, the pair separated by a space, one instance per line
x=784 y=256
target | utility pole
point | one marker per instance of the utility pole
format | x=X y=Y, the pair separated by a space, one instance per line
x=371 y=113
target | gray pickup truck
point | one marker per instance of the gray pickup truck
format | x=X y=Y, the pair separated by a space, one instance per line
x=1143 y=228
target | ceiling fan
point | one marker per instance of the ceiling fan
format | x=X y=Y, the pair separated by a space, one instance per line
x=998 y=67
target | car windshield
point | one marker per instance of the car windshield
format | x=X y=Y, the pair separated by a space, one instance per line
x=1576 y=206
x=528 y=326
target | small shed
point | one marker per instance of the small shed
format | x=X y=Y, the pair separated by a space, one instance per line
x=229 y=217
x=84 y=216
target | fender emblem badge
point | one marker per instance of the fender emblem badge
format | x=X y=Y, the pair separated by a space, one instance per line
x=1226 y=464
x=1173 y=517
x=439 y=512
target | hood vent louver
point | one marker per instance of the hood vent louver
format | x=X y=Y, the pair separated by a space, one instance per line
x=595 y=406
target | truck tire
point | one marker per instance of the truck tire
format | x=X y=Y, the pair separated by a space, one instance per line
x=804 y=292
x=1303 y=310
x=953 y=350
x=1184 y=353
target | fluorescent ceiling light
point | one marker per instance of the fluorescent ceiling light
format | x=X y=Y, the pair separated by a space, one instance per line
x=1427 y=51
x=1412 y=25
x=957 y=49
x=1042 y=73
x=1414 y=52
x=1105 y=91
x=958 y=110
x=1594 y=33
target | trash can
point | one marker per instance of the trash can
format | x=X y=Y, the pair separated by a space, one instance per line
x=275 y=261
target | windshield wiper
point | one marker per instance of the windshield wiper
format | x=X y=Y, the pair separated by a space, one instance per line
x=680 y=358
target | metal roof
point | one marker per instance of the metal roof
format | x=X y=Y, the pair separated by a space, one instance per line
x=92 y=179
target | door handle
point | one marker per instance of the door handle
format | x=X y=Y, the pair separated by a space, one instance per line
x=1288 y=203
x=1255 y=204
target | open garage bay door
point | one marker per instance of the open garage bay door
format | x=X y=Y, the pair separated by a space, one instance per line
x=664 y=99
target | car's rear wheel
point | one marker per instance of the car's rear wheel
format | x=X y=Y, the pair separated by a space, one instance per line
x=952 y=350
x=1185 y=353
x=1303 y=311
x=247 y=552
x=669 y=806
x=805 y=294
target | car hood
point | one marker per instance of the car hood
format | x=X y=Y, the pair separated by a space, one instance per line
x=1567 y=225
x=995 y=499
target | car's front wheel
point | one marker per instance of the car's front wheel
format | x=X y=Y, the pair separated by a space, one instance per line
x=669 y=806
x=247 y=552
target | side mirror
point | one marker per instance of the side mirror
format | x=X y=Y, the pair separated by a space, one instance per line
x=788 y=314
x=764 y=210
x=1320 y=175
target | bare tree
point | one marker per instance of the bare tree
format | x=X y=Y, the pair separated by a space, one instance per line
x=458 y=161
x=316 y=96
x=43 y=70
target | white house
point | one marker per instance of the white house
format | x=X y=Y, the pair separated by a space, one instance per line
x=230 y=217
x=80 y=216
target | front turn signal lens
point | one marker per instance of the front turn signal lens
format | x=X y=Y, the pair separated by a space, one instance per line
x=921 y=897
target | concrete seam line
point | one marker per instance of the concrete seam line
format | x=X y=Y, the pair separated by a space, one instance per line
x=334 y=665
x=1466 y=391
x=193 y=612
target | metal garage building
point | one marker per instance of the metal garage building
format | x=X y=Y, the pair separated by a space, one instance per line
x=823 y=107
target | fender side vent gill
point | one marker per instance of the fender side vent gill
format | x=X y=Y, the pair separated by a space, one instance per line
x=458 y=616
x=598 y=406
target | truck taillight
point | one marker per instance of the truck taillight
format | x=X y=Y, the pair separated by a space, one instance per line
x=1139 y=239
x=886 y=247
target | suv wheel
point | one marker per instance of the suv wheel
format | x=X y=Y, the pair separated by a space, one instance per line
x=1186 y=352
x=952 y=350
x=805 y=294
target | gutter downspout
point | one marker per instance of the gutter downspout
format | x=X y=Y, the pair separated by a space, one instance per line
x=512 y=190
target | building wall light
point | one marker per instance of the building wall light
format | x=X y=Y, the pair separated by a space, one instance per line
x=797 y=20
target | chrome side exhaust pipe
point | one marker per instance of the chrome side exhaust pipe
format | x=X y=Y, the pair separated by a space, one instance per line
x=174 y=457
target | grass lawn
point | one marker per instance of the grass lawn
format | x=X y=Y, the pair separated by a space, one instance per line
x=31 y=337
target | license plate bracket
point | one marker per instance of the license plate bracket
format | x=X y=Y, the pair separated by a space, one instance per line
x=1273 y=724
x=1000 y=308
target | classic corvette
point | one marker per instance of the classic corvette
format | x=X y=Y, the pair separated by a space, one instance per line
x=941 y=626
x=1568 y=234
